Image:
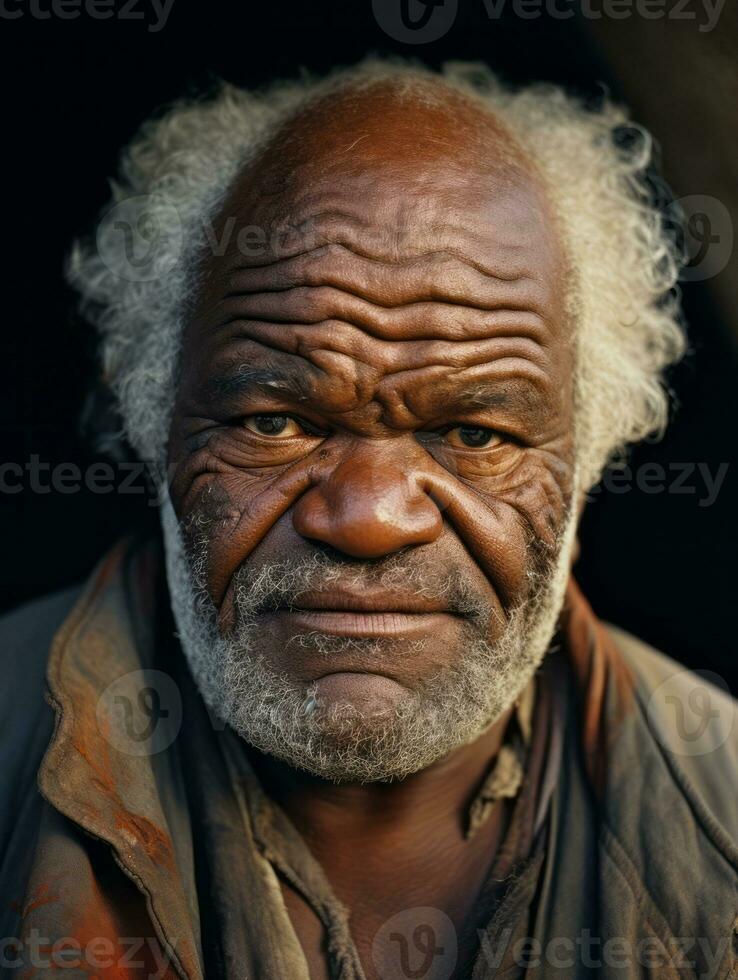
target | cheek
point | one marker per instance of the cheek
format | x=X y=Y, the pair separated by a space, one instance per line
x=539 y=489
x=231 y=510
x=499 y=515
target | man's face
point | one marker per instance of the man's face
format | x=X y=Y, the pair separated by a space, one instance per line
x=372 y=449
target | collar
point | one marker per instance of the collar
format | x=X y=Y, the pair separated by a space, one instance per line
x=101 y=770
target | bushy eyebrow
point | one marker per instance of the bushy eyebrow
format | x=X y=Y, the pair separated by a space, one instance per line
x=246 y=380
x=517 y=394
x=514 y=397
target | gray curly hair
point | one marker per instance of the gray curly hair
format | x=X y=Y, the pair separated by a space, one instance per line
x=175 y=175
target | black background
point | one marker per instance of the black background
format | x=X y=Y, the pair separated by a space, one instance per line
x=75 y=91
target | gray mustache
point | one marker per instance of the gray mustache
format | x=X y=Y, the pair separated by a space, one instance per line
x=284 y=583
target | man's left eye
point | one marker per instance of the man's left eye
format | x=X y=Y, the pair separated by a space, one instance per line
x=472 y=436
x=278 y=426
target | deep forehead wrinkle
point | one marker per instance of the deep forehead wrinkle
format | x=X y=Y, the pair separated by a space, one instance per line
x=434 y=274
x=345 y=353
x=341 y=236
x=303 y=307
x=401 y=299
x=378 y=214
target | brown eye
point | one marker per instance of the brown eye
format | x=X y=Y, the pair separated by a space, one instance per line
x=472 y=436
x=272 y=425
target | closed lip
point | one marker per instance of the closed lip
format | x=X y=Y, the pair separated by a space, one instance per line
x=361 y=622
x=344 y=613
x=374 y=602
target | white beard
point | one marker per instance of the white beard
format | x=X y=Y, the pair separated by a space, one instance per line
x=282 y=716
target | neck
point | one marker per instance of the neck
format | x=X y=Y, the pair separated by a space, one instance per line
x=392 y=812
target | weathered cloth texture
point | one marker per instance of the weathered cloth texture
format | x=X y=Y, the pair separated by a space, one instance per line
x=136 y=840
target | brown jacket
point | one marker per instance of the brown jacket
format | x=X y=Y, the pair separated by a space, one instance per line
x=97 y=873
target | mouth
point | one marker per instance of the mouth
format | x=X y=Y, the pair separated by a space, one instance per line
x=372 y=615
x=347 y=622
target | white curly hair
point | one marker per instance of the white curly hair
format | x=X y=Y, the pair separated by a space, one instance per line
x=177 y=171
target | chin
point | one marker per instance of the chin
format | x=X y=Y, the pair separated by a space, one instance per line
x=356 y=739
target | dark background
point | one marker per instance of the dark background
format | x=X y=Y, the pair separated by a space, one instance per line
x=75 y=91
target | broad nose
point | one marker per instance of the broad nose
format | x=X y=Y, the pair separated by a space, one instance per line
x=368 y=507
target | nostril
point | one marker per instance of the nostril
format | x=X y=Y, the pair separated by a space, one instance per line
x=367 y=510
x=366 y=528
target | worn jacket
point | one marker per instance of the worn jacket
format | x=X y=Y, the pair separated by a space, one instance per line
x=97 y=860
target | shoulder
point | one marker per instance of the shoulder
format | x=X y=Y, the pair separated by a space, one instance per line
x=26 y=634
x=694 y=720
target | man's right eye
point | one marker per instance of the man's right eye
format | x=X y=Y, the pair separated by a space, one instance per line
x=275 y=426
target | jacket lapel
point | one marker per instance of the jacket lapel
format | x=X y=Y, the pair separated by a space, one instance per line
x=111 y=767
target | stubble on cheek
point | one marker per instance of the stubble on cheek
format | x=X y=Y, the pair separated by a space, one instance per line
x=222 y=523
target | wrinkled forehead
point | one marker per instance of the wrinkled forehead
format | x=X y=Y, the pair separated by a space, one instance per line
x=408 y=218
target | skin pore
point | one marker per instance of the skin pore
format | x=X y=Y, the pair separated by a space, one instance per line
x=388 y=378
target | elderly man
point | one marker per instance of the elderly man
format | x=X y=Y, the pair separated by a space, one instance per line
x=377 y=335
